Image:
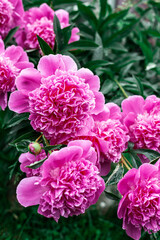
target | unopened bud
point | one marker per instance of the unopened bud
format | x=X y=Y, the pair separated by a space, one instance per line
x=34 y=148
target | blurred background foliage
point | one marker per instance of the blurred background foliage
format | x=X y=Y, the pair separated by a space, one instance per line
x=120 y=42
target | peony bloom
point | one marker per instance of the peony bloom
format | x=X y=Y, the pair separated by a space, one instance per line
x=109 y=137
x=140 y=205
x=142 y=118
x=69 y=184
x=60 y=99
x=39 y=21
x=11 y=13
x=27 y=158
x=12 y=61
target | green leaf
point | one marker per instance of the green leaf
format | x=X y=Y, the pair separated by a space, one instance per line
x=57 y=147
x=103 y=9
x=116 y=175
x=88 y=14
x=82 y=44
x=111 y=196
x=10 y=35
x=150 y=154
x=112 y=18
x=153 y=33
x=92 y=65
x=46 y=49
x=32 y=135
x=22 y=146
x=18 y=118
x=139 y=85
x=66 y=34
x=58 y=32
x=36 y=164
x=99 y=52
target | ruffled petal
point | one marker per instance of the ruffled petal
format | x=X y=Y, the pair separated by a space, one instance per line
x=99 y=100
x=3 y=100
x=133 y=104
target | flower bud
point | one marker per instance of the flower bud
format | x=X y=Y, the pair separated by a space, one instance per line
x=34 y=148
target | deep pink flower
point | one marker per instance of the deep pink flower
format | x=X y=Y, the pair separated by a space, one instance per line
x=69 y=184
x=109 y=137
x=11 y=13
x=39 y=21
x=12 y=61
x=27 y=158
x=142 y=118
x=61 y=99
x=140 y=205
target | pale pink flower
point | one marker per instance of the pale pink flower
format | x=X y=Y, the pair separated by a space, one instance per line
x=140 y=205
x=39 y=21
x=11 y=13
x=12 y=61
x=27 y=158
x=60 y=99
x=69 y=184
x=142 y=118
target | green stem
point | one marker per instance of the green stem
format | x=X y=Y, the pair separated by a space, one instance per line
x=47 y=143
x=121 y=88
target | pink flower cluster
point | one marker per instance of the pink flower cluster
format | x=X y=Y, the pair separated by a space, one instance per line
x=12 y=61
x=11 y=13
x=69 y=183
x=140 y=205
x=142 y=118
x=60 y=99
x=39 y=21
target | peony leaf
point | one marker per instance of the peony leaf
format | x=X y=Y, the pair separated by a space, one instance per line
x=46 y=49
x=18 y=118
x=10 y=35
x=116 y=175
x=111 y=196
x=37 y=164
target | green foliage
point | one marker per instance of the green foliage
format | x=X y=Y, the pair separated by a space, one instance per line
x=121 y=46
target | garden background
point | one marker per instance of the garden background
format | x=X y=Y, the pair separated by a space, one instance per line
x=120 y=42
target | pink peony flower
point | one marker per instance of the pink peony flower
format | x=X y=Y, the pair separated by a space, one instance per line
x=39 y=21
x=61 y=99
x=12 y=61
x=109 y=137
x=142 y=118
x=69 y=184
x=27 y=158
x=11 y=13
x=140 y=205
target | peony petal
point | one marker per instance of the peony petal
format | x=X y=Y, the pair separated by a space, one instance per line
x=16 y=54
x=145 y=172
x=90 y=78
x=28 y=80
x=23 y=65
x=115 y=111
x=3 y=100
x=63 y=16
x=133 y=104
x=132 y=231
x=49 y=64
x=18 y=102
x=29 y=191
x=84 y=144
x=150 y=103
x=59 y=158
x=127 y=182
x=129 y=119
x=2 y=49
x=99 y=100
x=74 y=35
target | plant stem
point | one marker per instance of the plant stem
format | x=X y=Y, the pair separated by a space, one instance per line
x=124 y=162
x=121 y=88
